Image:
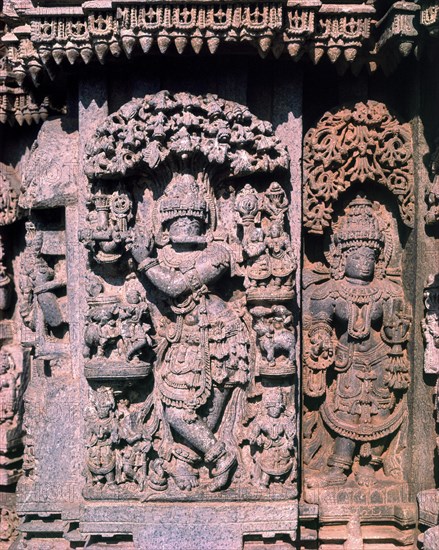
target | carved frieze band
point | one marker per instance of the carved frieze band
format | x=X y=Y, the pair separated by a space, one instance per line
x=104 y=29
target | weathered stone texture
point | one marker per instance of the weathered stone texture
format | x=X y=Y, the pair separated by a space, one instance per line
x=215 y=330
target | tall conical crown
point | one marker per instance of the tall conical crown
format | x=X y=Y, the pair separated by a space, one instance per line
x=360 y=226
x=183 y=198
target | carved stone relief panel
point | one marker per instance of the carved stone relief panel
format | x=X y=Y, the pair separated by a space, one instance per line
x=13 y=361
x=428 y=500
x=189 y=335
x=356 y=324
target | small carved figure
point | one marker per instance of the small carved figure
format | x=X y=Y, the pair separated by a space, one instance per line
x=132 y=457
x=5 y=281
x=258 y=262
x=8 y=387
x=282 y=261
x=38 y=282
x=275 y=332
x=272 y=438
x=268 y=260
x=108 y=225
x=359 y=327
x=134 y=330
x=275 y=202
x=432 y=193
x=100 y=329
x=102 y=436
x=430 y=325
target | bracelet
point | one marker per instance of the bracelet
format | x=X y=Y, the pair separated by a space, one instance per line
x=147 y=264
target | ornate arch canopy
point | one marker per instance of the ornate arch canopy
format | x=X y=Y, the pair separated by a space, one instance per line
x=365 y=143
x=177 y=132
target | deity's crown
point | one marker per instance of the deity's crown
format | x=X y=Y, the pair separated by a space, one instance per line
x=273 y=397
x=360 y=226
x=183 y=198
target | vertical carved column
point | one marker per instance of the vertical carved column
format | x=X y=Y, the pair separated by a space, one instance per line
x=48 y=487
x=429 y=499
x=13 y=362
x=356 y=322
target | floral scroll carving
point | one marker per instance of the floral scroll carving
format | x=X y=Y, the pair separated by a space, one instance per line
x=189 y=338
x=362 y=144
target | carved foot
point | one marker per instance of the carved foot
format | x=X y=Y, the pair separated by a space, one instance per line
x=222 y=471
x=183 y=474
x=335 y=476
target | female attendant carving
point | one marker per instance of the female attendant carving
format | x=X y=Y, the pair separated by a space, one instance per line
x=273 y=433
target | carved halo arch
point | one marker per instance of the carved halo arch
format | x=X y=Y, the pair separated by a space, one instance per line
x=361 y=143
x=166 y=134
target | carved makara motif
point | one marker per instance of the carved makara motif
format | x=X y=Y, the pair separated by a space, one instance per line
x=356 y=372
x=365 y=143
x=191 y=280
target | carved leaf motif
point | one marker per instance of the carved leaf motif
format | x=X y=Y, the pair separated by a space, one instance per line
x=241 y=164
x=361 y=144
x=151 y=155
x=183 y=130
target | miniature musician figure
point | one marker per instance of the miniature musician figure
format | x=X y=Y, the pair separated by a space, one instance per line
x=273 y=433
x=205 y=353
x=358 y=328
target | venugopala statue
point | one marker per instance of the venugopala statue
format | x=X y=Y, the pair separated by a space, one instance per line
x=356 y=334
x=204 y=355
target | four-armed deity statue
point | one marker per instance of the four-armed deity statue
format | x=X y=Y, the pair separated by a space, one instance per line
x=355 y=359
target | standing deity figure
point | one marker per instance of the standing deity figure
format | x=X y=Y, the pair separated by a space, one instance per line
x=356 y=359
x=272 y=438
x=203 y=359
x=102 y=435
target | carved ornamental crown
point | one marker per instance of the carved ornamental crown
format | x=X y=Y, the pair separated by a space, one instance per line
x=360 y=227
x=183 y=199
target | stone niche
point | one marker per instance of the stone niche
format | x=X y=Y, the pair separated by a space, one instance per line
x=157 y=298
x=213 y=333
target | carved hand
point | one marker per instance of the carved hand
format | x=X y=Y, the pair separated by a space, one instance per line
x=142 y=245
x=321 y=345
